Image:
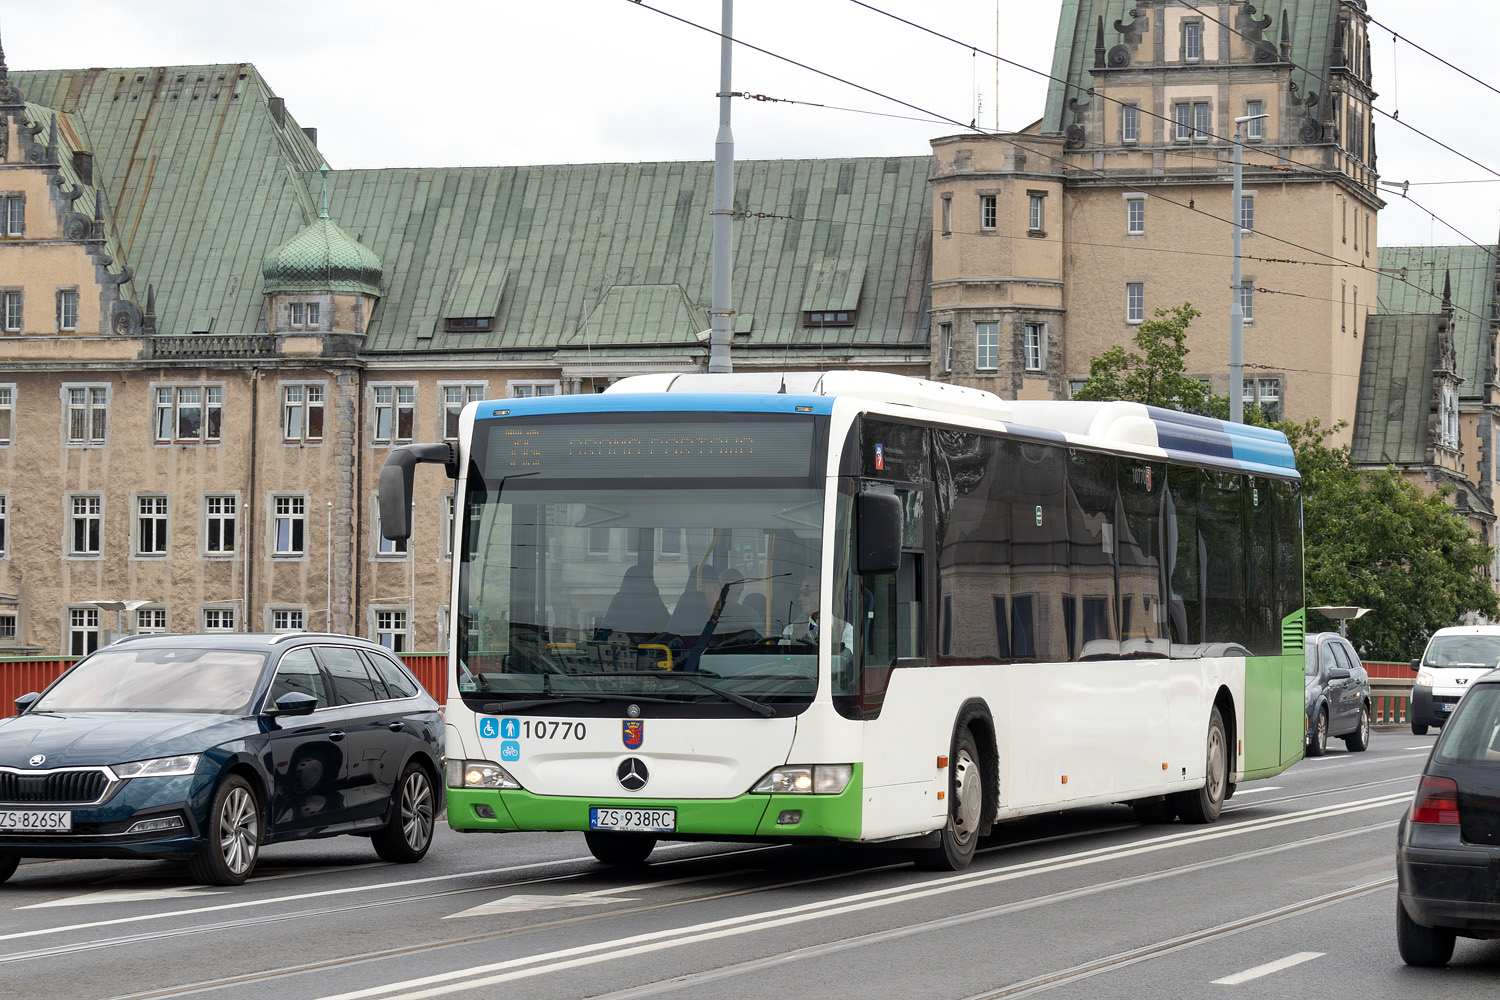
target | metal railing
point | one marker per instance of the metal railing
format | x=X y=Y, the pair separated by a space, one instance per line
x=1389 y=698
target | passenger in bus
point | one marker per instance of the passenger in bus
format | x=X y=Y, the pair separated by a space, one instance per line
x=811 y=623
x=755 y=608
x=637 y=609
x=734 y=616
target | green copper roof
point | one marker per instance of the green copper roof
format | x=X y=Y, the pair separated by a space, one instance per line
x=1391 y=425
x=322 y=258
x=1411 y=281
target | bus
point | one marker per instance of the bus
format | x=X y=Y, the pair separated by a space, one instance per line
x=858 y=607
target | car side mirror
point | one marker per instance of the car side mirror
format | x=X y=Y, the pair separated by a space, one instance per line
x=295 y=703
x=879 y=544
x=1416 y=664
x=26 y=701
x=1338 y=674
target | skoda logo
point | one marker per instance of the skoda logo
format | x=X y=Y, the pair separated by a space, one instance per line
x=41 y=759
x=632 y=774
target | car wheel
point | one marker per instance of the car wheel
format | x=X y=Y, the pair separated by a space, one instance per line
x=408 y=833
x=619 y=848
x=1419 y=729
x=8 y=865
x=1360 y=738
x=232 y=834
x=960 y=833
x=1421 y=945
x=1317 y=740
x=1203 y=805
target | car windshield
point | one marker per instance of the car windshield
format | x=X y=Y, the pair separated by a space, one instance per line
x=1473 y=735
x=1463 y=651
x=146 y=679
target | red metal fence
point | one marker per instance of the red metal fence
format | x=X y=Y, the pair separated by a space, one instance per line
x=20 y=675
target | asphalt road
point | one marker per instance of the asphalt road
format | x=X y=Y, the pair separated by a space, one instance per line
x=1291 y=894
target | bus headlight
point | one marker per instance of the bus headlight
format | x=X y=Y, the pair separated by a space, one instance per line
x=805 y=779
x=1424 y=678
x=477 y=774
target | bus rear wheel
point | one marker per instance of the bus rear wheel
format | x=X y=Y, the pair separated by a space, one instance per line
x=957 y=839
x=619 y=848
x=1203 y=805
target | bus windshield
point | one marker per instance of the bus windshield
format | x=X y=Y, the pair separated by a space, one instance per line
x=686 y=584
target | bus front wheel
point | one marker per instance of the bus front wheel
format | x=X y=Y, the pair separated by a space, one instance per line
x=1203 y=805
x=619 y=848
x=960 y=834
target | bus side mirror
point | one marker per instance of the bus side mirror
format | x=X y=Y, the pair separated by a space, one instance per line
x=878 y=542
x=396 y=484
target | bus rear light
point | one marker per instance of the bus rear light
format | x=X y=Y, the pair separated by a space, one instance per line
x=805 y=779
x=1436 y=801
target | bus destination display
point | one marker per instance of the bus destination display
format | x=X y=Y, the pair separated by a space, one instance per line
x=714 y=449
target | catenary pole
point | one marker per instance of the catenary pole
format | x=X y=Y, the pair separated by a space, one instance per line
x=721 y=309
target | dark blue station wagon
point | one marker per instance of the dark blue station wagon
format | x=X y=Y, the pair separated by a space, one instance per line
x=206 y=747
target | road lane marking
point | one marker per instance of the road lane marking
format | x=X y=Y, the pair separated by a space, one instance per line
x=1427 y=747
x=524 y=902
x=1256 y=791
x=128 y=896
x=1268 y=968
x=1351 y=760
x=491 y=974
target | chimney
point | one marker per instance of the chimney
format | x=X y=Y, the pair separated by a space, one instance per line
x=83 y=166
x=311 y=133
x=278 y=109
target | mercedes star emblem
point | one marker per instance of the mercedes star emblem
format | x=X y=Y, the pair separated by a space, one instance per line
x=632 y=774
x=41 y=759
x=634 y=711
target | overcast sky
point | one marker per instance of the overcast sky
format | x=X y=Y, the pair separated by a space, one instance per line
x=488 y=82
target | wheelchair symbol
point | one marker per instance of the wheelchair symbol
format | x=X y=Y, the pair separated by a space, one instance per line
x=489 y=728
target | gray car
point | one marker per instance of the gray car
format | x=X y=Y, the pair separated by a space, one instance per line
x=1338 y=694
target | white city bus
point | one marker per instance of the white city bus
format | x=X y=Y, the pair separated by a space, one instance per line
x=858 y=607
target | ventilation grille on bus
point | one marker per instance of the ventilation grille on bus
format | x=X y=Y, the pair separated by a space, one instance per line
x=1294 y=633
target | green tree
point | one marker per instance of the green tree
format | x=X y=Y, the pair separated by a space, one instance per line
x=1155 y=375
x=1376 y=540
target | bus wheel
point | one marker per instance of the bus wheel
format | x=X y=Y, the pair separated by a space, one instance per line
x=619 y=848
x=965 y=812
x=1202 y=805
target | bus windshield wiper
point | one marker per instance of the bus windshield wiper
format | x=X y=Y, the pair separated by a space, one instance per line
x=501 y=707
x=738 y=699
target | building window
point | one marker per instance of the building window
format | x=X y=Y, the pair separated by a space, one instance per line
x=1448 y=413
x=1368 y=216
x=987 y=211
x=189 y=413
x=1035 y=214
x=391 y=630
x=286 y=620
x=12 y=214
x=151 y=619
x=4 y=524
x=10 y=310
x=1247 y=213
x=455 y=397
x=290 y=525
x=1343 y=306
x=947 y=215
x=1356 y=310
x=1036 y=346
x=83 y=631
x=527 y=390
x=67 y=310
x=841 y=317
x=1255 y=128
x=219 y=519
x=987 y=346
x=395 y=411
x=151 y=526
x=7 y=627
x=598 y=543
x=1135 y=302
x=88 y=414
x=7 y=413
x=305 y=315
x=1246 y=293
x=218 y=619
x=88 y=519
x=1193 y=121
x=1192 y=41
x=1135 y=216
x=387 y=546
x=1265 y=393
x=1130 y=123
x=302 y=413
x=945 y=347
x=448 y=525
x=1075 y=386
x=467 y=324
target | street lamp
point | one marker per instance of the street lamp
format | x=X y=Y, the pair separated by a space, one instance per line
x=1342 y=615
x=1236 y=313
x=117 y=607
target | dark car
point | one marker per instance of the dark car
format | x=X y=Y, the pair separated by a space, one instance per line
x=1337 y=689
x=206 y=747
x=1448 y=845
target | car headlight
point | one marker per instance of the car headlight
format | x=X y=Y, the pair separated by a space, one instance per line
x=477 y=774
x=1424 y=678
x=805 y=779
x=159 y=767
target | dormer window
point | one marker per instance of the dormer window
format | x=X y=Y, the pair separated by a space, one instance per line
x=305 y=315
x=467 y=324
x=842 y=317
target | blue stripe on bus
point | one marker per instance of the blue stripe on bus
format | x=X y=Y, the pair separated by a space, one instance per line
x=671 y=402
x=1255 y=449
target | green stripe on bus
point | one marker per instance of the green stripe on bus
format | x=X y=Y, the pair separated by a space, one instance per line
x=824 y=816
